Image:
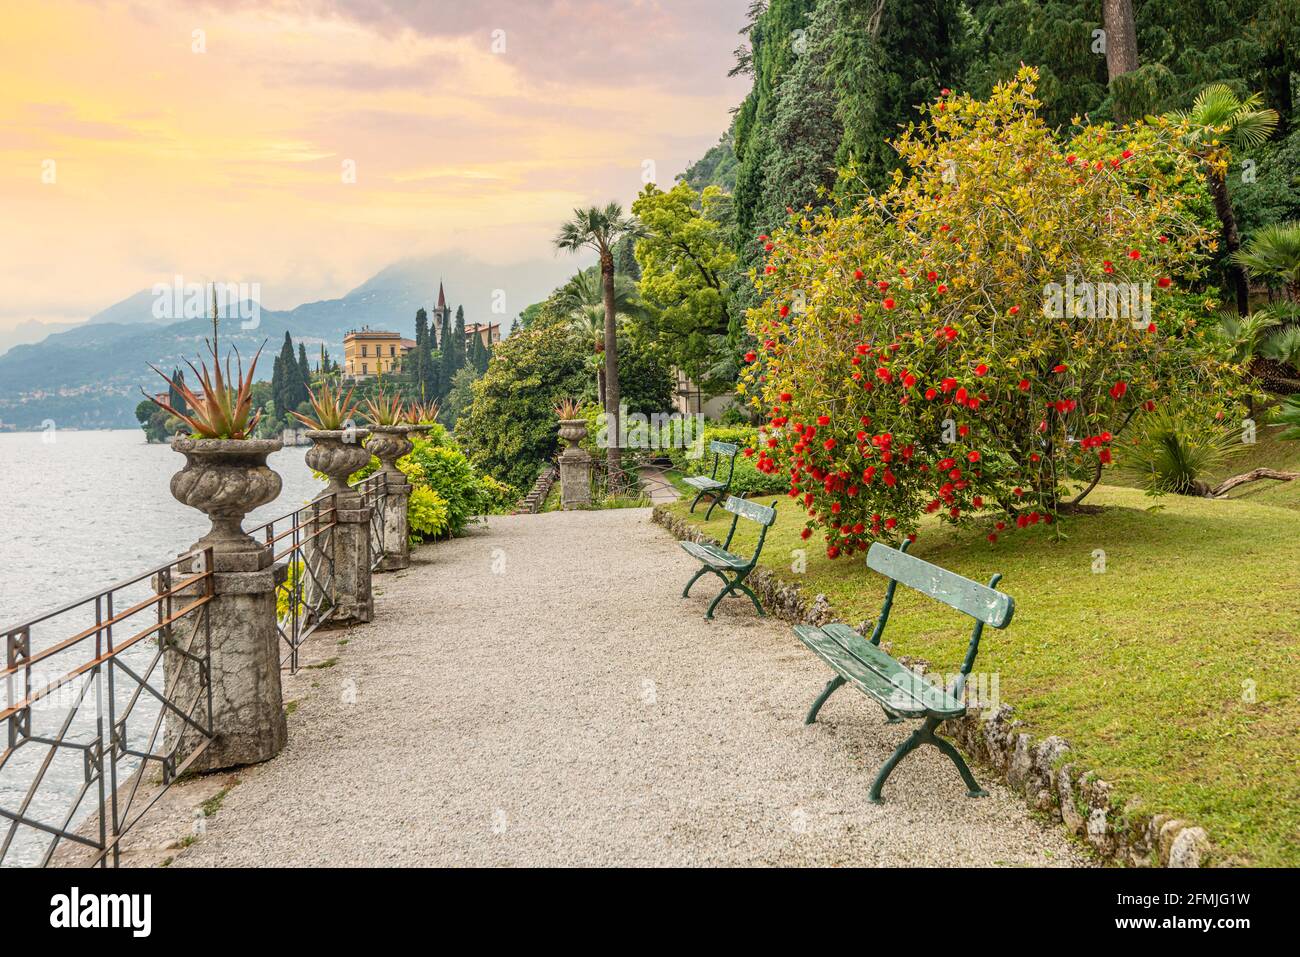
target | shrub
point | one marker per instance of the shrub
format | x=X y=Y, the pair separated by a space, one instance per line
x=427 y=514
x=1174 y=450
x=497 y=498
x=912 y=357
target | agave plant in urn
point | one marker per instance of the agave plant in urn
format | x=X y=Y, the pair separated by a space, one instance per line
x=225 y=474
x=337 y=449
x=573 y=427
x=420 y=417
x=388 y=433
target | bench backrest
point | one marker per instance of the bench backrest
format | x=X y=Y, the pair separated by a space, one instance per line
x=723 y=448
x=980 y=602
x=744 y=508
x=719 y=449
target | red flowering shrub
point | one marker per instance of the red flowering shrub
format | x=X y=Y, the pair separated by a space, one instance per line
x=960 y=344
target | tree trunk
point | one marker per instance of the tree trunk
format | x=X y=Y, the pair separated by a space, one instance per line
x=1231 y=239
x=613 y=454
x=1227 y=485
x=1121 y=38
x=600 y=385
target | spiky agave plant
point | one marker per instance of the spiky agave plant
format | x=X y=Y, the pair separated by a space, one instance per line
x=331 y=409
x=422 y=413
x=382 y=409
x=223 y=410
x=568 y=408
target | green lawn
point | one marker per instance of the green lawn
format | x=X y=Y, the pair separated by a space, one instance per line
x=1148 y=669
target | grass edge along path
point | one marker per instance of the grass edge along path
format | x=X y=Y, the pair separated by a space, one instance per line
x=1172 y=672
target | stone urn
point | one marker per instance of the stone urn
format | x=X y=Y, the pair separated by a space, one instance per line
x=337 y=453
x=389 y=443
x=573 y=431
x=226 y=479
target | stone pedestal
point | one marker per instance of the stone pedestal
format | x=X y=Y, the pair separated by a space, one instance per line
x=575 y=466
x=338 y=454
x=389 y=443
x=575 y=479
x=226 y=479
x=247 y=715
x=353 y=600
x=397 y=542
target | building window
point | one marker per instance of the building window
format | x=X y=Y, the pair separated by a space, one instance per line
x=363 y=350
x=364 y=368
x=392 y=350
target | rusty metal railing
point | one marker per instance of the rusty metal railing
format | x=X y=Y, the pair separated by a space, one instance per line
x=374 y=493
x=303 y=542
x=88 y=689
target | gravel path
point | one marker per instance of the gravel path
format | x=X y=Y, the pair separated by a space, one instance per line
x=539 y=694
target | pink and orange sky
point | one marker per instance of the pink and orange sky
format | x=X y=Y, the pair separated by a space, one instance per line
x=212 y=139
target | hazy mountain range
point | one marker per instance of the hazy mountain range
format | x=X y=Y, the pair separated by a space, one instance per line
x=89 y=375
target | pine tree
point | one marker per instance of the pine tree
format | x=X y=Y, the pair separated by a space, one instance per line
x=292 y=390
x=174 y=397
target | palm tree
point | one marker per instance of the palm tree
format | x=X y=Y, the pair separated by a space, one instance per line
x=1273 y=255
x=582 y=300
x=601 y=230
x=1221 y=121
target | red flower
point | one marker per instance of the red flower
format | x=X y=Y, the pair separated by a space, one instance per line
x=828 y=444
x=993 y=536
x=806 y=533
x=823 y=420
x=972 y=456
x=1023 y=385
x=750 y=356
x=1060 y=368
x=858 y=274
x=977 y=502
x=749 y=453
x=882 y=285
x=930 y=394
x=786 y=397
x=981 y=369
x=1118 y=389
x=1014 y=310
x=888 y=304
x=1134 y=254
x=784 y=311
x=948 y=384
x=1071 y=158
x=1164 y=282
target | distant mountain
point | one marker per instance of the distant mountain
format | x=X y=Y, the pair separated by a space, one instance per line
x=89 y=376
x=30 y=331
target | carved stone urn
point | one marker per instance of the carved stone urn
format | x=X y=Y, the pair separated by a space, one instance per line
x=573 y=431
x=389 y=443
x=337 y=453
x=226 y=479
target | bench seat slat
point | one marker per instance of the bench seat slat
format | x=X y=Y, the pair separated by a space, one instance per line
x=702 y=481
x=876 y=674
x=979 y=601
x=714 y=556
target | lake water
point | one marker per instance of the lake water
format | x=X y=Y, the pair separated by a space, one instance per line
x=80 y=511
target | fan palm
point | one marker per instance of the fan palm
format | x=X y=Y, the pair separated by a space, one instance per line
x=583 y=301
x=1221 y=120
x=600 y=229
x=1273 y=255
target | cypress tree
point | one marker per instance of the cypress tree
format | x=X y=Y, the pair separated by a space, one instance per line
x=304 y=369
x=459 y=339
x=420 y=361
x=447 y=367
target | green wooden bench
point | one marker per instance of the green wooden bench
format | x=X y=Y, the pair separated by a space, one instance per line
x=709 y=484
x=900 y=692
x=721 y=562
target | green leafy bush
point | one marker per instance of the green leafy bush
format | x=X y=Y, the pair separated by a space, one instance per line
x=427 y=514
x=497 y=498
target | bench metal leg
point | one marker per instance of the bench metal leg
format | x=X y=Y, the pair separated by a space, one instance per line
x=829 y=690
x=686 y=592
x=735 y=585
x=696 y=500
x=972 y=786
x=899 y=753
x=712 y=505
x=740 y=586
x=925 y=735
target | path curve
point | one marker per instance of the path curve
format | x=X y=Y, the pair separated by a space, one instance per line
x=538 y=693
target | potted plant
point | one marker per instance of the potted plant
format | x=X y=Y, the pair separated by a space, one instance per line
x=388 y=432
x=225 y=474
x=337 y=449
x=422 y=416
x=573 y=427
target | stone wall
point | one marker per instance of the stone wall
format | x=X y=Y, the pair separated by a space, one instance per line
x=1041 y=771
